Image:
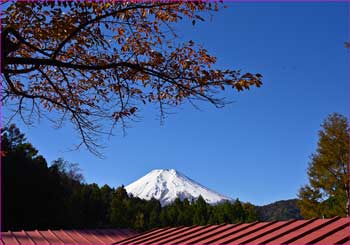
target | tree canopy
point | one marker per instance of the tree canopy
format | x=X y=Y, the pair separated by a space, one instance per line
x=327 y=194
x=38 y=196
x=98 y=63
x=61 y=199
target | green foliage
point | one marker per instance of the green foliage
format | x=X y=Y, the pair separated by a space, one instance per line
x=250 y=212
x=281 y=210
x=23 y=175
x=200 y=211
x=139 y=221
x=328 y=189
x=38 y=196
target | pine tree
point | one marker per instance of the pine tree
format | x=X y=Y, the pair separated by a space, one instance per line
x=250 y=212
x=200 y=212
x=327 y=193
x=154 y=208
x=139 y=221
x=119 y=208
x=186 y=212
x=238 y=211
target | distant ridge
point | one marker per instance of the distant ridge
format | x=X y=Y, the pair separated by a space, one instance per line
x=280 y=210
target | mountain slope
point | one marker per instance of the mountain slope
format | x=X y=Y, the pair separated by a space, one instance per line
x=166 y=185
x=280 y=210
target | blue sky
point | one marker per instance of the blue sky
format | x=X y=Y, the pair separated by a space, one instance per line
x=257 y=148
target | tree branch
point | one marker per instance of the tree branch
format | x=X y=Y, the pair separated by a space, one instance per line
x=84 y=25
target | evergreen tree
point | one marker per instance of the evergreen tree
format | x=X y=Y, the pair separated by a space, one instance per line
x=139 y=221
x=238 y=211
x=327 y=193
x=163 y=219
x=154 y=209
x=250 y=212
x=186 y=213
x=59 y=199
x=119 y=206
x=106 y=196
x=29 y=193
x=200 y=216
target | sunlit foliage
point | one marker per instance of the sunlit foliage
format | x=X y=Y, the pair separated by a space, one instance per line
x=98 y=63
x=327 y=194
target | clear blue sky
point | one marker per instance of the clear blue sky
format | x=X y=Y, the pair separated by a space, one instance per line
x=258 y=148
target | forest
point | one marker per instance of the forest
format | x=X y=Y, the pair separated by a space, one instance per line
x=38 y=195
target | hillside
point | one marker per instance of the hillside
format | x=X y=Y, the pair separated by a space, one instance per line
x=280 y=210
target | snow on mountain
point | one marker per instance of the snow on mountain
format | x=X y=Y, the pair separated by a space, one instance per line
x=166 y=185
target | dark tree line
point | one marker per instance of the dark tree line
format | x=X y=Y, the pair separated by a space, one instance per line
x=38 y=196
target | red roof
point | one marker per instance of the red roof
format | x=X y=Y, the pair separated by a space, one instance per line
x=313 y=231
x=100 y=236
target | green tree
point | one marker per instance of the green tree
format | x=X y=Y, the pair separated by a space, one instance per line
x=200 y=215
x=327 y=193
x=222 y=213
x=119 y=208
x=139 y=221
x=154 y=209
x=186 y=213
x=29 y=193
x=163 y=219
x=54 y=192
x=238 y=211
x=93 y=62
x=250 y=212
x=154 y=220
x=106 y=195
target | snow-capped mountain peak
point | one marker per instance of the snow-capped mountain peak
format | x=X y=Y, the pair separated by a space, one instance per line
x=166 y=185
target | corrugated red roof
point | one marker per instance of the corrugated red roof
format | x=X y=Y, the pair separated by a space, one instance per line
x=100 y=236
x=313 y=231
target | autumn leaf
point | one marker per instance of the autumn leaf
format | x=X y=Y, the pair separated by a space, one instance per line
x=94 y=63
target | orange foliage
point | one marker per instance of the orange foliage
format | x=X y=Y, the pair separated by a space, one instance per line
x=94 y=61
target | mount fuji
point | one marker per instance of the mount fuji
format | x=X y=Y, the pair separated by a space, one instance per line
x=166 y=185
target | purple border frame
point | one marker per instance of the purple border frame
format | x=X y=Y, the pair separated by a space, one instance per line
x=240 y=1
